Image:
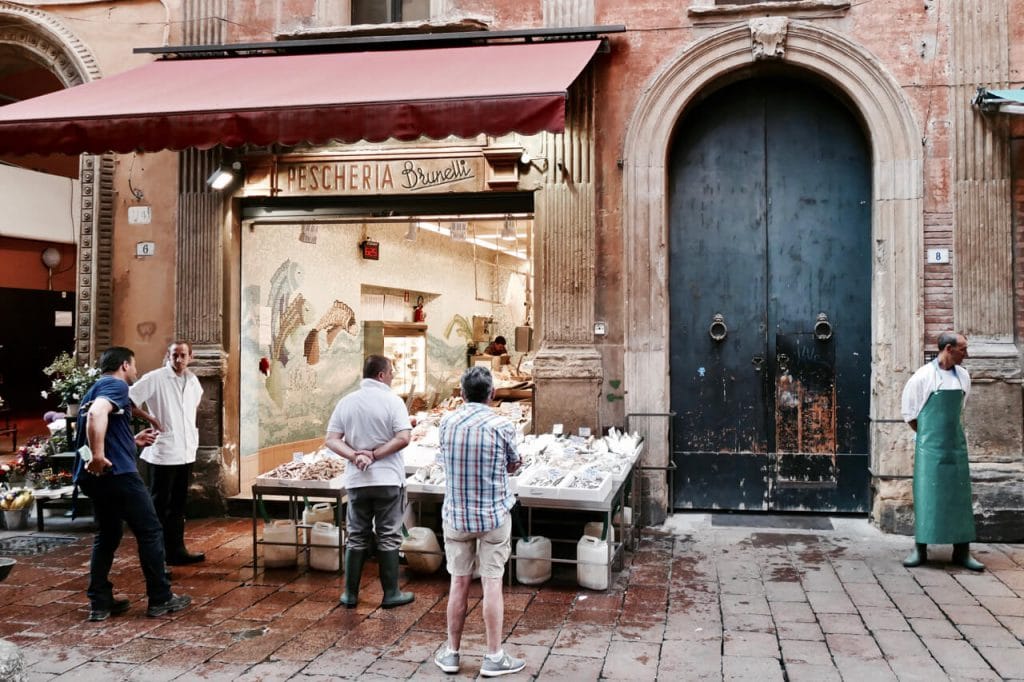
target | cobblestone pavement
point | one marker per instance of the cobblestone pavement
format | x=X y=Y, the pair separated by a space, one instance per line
x=695 y=602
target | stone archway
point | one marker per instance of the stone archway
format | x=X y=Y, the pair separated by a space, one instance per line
x=896 y=217
x=46 y=40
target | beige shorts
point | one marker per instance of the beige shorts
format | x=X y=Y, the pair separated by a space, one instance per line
x=491 y=548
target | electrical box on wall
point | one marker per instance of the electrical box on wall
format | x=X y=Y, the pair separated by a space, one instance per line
x=524 y=339
x=482 y=329
x=370 y=249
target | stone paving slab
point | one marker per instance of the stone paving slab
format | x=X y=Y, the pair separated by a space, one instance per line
x=694 y=602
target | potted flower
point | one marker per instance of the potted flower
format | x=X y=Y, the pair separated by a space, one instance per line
x=69 y=381
x=30 y=460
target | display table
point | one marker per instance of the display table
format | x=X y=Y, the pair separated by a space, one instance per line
x=614 y=500
x=54 y=498
x=294 y=494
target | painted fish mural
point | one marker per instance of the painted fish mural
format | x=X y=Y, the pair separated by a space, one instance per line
x=297 y=314
x=339 y=318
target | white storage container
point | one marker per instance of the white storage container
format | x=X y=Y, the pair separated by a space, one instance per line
x=320 y=511
x=323 y=558
x=533 y=562
x=594 y=573
x=278 y=556
x=594 y=529
x=420 y=541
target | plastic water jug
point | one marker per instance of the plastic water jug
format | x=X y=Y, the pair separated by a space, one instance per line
x=324 y=558
x=594 y=573
x=278 y=556
x=595 y=528
x=422 y=540
x=321 y=511
x=533 y=562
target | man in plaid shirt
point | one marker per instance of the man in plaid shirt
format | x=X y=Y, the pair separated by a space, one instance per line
x=478 y=451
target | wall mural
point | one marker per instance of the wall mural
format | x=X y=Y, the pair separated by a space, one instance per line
x=302 y=335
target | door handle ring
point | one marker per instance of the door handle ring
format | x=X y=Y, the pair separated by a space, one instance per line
x=718 y=329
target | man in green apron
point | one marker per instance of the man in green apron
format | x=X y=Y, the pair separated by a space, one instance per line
x=933 y=402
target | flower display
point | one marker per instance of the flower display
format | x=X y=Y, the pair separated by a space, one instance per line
x=5 y=473
x=69 y=380
x=31 y=458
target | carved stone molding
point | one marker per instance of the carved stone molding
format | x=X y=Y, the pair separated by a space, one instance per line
x=768 y=37
x=48 y=37
x=897 y=213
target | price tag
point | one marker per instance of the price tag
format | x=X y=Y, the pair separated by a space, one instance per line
x=556 y=429
x=584 y=432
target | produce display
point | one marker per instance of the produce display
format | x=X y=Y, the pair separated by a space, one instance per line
x=13 y=500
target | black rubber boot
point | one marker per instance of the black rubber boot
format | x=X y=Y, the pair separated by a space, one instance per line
x=917 y=557
x=962 y=557
x=354 y=560
x=389 y=581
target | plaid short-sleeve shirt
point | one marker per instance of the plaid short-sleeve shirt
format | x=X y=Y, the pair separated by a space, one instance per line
x=476 y=447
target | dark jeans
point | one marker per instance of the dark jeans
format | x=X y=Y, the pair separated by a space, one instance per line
x=168 y=485
x=117 y=500
x=376 y=506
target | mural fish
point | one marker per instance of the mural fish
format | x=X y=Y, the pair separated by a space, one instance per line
x=283 y=283
x=298 y=313
x=340 y=318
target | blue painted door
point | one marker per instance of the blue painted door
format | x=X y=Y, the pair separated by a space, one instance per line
x=770 y=281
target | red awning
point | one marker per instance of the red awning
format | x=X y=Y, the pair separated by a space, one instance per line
x=315 y=98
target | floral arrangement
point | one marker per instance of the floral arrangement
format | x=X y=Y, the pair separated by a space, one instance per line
x=69 y=380
x=5 y=473
x=58 y=479
x=31 y=458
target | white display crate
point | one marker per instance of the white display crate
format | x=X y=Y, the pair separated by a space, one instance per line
x=332 y=484
x=566 y=491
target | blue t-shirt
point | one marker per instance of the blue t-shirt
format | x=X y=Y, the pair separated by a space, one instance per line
x=119 y=444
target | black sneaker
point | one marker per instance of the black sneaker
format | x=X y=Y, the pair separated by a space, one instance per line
x=117 y=607
x=176 y=603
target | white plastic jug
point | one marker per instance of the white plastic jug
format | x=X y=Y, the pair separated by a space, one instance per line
x=320 y=511
x=595 y=528
x=533 y=562
x=594 y=573
x=324 y=558
x=422 y=540
x=277 y=556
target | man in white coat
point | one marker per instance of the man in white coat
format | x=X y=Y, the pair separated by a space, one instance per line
x=172 y=394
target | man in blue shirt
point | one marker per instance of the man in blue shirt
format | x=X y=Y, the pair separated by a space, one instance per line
x=478 y=451
x=111 y=480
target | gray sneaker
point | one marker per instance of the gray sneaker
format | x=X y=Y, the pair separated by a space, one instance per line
x=176 y=603
x=506 y=666
x=447 y=660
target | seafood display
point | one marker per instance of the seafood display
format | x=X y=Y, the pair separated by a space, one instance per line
x=320 y=469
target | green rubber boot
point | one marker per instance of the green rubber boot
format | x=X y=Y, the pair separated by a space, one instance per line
x=354 y=560
x=389 y=581
x=962 y=556
x=917 y=557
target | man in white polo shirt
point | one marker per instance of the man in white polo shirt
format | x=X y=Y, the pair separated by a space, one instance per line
x=370 y=427
x=172 y=394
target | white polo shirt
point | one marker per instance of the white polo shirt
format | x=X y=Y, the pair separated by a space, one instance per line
x=369 y=418
x=173 y=400
x=927 y=380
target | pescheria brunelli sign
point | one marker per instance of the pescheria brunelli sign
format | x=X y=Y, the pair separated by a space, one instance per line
x=379 y=176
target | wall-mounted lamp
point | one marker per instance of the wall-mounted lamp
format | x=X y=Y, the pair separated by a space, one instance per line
x=51 y=259
x=224 y=176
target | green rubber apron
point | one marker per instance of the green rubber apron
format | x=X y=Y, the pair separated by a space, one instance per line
x=942 y=478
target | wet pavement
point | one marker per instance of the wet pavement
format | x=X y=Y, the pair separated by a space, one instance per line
x=694 y=602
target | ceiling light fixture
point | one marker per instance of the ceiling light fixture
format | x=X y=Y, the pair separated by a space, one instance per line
x=224 y=176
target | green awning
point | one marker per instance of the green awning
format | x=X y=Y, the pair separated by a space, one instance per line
x=1002 y=101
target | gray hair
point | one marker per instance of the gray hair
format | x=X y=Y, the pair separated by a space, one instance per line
x=948 y=339
x=477 y=384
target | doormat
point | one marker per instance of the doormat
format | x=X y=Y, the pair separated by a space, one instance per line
x=772 y=521
x=30 y=545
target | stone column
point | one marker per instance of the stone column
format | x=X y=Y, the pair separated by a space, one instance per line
x=95 y=258
x=568 y=366
x=199 y=294
x=983 y=261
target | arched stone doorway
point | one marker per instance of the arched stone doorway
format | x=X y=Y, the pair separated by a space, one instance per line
x=43 y=40
x=896 y=215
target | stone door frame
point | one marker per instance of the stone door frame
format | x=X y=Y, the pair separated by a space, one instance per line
x=897 y=219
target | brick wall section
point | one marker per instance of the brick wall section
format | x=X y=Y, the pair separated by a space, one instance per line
x=938 y=278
